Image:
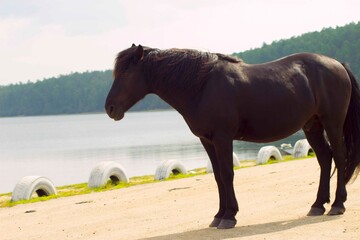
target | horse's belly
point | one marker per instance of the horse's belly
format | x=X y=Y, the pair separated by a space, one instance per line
x=270 y=129
x=263 y=137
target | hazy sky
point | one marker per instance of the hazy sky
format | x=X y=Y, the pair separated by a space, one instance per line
x=46 y=38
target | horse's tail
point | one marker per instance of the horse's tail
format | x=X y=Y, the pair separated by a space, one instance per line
x=352 y=130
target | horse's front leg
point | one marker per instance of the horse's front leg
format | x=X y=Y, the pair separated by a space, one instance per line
x=210 y=150
x=224 y=154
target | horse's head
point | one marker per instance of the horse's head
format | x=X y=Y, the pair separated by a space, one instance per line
x=129 y=84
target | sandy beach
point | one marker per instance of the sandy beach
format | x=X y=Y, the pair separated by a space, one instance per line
x=273 y=200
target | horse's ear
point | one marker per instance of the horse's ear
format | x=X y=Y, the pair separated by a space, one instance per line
x=133 y=45
x=139 y=54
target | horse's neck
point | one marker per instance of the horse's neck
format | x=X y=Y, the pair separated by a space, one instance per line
x=177 y=84
x=180 y=99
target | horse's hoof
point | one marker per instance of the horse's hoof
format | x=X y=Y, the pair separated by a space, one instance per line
x=314 y=211
x=215 y=222
x=226 y=224
x=336 y=211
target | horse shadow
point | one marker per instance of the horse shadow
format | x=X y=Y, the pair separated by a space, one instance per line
x=244 y=231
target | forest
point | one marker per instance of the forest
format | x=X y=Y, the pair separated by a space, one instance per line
x=68 y=94
x=341 y=43
x=86 y=92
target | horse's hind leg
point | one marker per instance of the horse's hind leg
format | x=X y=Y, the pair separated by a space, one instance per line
x=315 y=137
x=337 y=143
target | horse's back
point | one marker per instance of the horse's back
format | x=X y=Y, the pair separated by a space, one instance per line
x=303 y=74
x=280 y=97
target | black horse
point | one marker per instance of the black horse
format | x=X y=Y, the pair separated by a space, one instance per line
x=222 y=98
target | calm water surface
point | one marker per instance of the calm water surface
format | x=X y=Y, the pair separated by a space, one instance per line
x=66 y=148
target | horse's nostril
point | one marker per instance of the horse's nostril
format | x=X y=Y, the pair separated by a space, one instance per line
x=111 y=108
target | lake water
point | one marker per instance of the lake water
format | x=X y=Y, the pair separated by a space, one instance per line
x=66 y=148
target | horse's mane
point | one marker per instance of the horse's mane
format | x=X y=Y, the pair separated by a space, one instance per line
x=180 y=69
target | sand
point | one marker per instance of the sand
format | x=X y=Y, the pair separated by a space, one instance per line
x=273 y=199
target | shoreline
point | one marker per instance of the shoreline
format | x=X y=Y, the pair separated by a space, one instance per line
x=87 y=113
x=134 y=181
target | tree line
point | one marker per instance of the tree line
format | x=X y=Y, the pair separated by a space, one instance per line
x=341 y=43
x=68 y=94
x=86 y=92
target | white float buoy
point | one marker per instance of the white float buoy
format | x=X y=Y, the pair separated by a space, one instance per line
x=167 y=167
x=106 y=170
x=30 y=185
x=267 y=152
x=301 y=148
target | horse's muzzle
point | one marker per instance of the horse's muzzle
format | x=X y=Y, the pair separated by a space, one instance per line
x=114 y=112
